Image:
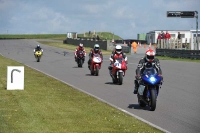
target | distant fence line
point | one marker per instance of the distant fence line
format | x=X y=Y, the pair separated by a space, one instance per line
x=104 y=44
x=190 y=54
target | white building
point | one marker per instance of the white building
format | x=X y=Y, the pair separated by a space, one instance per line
x=186 y=35
x=72 y=35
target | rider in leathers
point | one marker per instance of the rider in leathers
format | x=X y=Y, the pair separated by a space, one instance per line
x=95 y=50
x=115 y=54
x=80 y=47
x=146 y=62
x=38 y=48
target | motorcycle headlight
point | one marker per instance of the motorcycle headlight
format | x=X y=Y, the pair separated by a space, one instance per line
x=152 y=79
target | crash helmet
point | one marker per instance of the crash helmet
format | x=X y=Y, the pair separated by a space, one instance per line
x=96 y=48
x=38 y=46
x=118 y=49
x=81 y=46
x=149 y=55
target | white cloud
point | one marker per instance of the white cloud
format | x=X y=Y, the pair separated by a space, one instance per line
x=120 y=17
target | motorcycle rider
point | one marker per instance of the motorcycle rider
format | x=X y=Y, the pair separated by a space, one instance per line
x=148 y=61
x=95 y=50
x=80 y=47
x=38 y=48
x=116 y=54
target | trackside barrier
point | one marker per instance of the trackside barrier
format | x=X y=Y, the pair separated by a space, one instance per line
x=126 y=49
x=190 y=54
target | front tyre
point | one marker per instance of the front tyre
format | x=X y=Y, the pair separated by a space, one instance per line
x=81 y=63
x=38 y=59
x=120 y=78
x=97 y=71
x=152 y=103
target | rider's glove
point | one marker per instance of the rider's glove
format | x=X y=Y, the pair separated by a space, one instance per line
x=160 y=76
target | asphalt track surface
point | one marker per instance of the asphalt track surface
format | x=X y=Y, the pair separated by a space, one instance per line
x=178 y=107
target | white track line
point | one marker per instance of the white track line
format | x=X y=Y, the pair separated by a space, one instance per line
x=139 y=118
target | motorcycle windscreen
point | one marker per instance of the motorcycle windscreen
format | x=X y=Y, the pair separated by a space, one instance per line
x=150 y=76
x=97 y=59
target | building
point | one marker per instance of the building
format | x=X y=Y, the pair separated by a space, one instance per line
x=187 y=36
x=141 y=36
x=72 y=35
x=153 y=35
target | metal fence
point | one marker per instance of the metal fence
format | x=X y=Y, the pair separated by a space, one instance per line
x=190 y=54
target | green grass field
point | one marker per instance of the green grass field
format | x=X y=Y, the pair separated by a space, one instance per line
x=102 y=35
x=71 y=47
x=47 y=105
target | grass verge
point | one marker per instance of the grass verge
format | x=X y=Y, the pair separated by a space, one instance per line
x=177 y=59
x=48 y=105
x=72 y=47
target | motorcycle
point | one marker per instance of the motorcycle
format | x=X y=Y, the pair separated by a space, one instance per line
x=119 y=68
x=80 y=58
x=95 y=64
x=149 y=88
x=38 y=55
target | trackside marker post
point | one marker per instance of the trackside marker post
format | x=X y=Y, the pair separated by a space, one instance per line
x=15 y=77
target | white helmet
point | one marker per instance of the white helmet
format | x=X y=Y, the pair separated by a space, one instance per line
x=96 y=48
x=118 y=49
x=80 y=45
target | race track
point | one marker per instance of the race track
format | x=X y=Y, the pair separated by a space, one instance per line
x=178 y=108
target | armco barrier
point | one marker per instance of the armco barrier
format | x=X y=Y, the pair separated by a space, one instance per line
x=191 y=54
x=126 y=49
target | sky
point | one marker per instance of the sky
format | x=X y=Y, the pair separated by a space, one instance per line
x=125 y=18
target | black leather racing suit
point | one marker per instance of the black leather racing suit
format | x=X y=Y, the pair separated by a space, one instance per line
x=142 y=65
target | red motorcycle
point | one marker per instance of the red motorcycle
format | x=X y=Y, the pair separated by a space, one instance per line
x=80 y=58
x=95 y=64
x=119 y=68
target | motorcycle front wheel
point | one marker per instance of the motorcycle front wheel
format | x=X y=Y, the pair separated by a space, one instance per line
x=97 y=71
x=38 y=58
x=152 y=103
x=120 y=78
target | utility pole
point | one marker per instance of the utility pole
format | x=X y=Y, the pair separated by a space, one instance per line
x=197 y=30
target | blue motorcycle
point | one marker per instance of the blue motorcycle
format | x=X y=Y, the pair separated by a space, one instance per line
x=149 y=88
